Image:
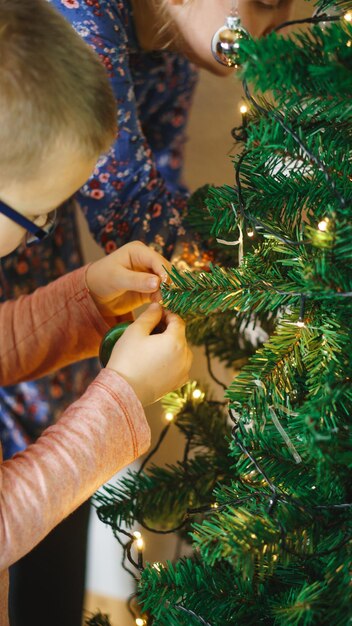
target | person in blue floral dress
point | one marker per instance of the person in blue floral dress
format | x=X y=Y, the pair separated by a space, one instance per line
x=136 y=192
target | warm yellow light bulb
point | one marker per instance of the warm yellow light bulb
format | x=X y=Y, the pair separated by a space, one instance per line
x=348 y=16
x=137 y=534
x=323 y=224
x=157 y=566
x=197 y=393
x=250 y=233
x=243 y=109
x=140 y=544
x=169 y=416
x=140 y=621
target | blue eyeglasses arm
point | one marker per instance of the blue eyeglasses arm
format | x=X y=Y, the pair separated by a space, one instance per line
x=22 y=221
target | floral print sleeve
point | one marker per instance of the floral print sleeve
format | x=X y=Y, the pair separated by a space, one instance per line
x=136 y=190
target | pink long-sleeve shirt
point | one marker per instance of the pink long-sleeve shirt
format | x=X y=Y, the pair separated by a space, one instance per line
x=102 y=432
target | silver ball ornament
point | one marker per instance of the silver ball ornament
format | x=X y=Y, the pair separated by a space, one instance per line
x=226 y=42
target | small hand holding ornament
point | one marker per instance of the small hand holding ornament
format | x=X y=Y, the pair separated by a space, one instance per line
x=113 y=335
x=226 y=42
x=151 y=353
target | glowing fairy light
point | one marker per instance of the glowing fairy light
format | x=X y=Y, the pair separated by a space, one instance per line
x=348 y=16
x=323 y=225
x=140 y=547
x=140 y=544
x=243 y=109
x=250 y=233
x=197 y=393
x=157 y=566
x=169 y=416
x=140 y=621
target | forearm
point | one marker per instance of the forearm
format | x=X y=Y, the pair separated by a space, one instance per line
x=56 y=325
x=99 y=434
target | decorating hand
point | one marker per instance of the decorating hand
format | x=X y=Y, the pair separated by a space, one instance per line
x=126 y=279
x=153 y=364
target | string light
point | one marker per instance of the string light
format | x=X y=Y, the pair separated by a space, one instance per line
x=197 y=394
x=250 y=233
x=157 y=566
x=300 y=322
x=140 y=621
x=348 y=16
x=140 y=544
x=169 y=416
x=137 y=534
x=243 y=109
x=323 y=225
x=140 y=548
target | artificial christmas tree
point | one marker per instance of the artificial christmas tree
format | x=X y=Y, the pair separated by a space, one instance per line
x=264 y=486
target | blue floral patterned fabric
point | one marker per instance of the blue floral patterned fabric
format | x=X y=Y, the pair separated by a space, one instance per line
x=136 y=192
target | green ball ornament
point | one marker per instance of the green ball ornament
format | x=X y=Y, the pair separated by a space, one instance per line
x=109 y=340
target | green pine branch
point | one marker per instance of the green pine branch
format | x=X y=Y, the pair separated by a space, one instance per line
x=272 y=524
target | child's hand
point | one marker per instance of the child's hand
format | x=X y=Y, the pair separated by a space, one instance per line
x=153 y=364
x=126 y=279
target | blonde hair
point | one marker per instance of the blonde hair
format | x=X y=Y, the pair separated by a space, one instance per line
x=166 y=32
x=51 y=85
x=164 y=23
